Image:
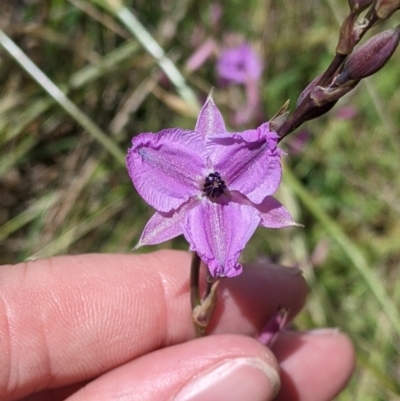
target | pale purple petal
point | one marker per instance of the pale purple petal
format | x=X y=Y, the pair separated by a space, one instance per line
x=165 y=226
x=210 y=121
x=272 y=138
x=218 y=232
x=167 y=168
x=270 y=211
x=273 y=214
x=248 y=162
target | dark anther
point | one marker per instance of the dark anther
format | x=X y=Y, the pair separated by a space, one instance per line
x=213 y=186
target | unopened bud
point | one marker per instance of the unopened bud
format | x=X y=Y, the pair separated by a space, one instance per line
x=318 y=100
x=370 y=57
x=307 y=90
x=359 y=5
x=322 y=96
x=385 y=8
x=314 y=110
x=273 y=327
x=348 y=35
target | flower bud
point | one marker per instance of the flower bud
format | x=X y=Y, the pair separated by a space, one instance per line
x=370 y=57
x=306 y=91
x=323 y=96
x=385 y=8
x=348 y=35
x=359 y=5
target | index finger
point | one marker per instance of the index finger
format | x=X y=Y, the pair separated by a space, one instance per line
x=67 y=319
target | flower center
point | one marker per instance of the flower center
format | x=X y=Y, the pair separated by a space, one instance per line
x=213 y=185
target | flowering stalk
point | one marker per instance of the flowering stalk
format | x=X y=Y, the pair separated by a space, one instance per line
x=348 y=66
x=216 y=187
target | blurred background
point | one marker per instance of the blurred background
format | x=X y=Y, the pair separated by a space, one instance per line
x=65 y=128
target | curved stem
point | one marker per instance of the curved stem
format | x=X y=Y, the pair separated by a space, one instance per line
x=202 y=308
x=210 y=282
x=195 y=298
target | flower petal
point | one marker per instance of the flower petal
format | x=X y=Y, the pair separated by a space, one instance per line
x=273 y=214
x=218 y=232
x=167 y=168
x=210 y=121
x=248 y=162
x=165 y=226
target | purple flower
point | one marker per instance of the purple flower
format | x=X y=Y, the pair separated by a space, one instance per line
x=239 y=64
x=212 y=186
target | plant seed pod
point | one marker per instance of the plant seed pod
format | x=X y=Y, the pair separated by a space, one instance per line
x=370 y=57
x=385 y=8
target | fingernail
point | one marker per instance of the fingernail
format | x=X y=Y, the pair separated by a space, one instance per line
x=236 y=379
x=291 y=271
x=324 y=331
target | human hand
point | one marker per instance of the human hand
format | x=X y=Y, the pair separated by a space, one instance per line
x=118 y=327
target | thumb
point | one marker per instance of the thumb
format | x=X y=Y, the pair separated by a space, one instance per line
x=220 y=367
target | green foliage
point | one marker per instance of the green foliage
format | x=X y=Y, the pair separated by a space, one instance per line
x=64 y=187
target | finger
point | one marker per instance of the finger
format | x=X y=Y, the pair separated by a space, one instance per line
x=223 y=367
x=315 y=366
x=247 y=302
x=67 y=319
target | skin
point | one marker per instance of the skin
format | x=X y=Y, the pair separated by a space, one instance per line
x=94 y=327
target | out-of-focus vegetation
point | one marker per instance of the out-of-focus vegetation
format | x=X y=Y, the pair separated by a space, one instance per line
x=64 y=187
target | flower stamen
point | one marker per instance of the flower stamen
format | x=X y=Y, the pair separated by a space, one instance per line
x=214 y=186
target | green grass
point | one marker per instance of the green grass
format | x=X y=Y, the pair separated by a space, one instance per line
x=64 y=131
